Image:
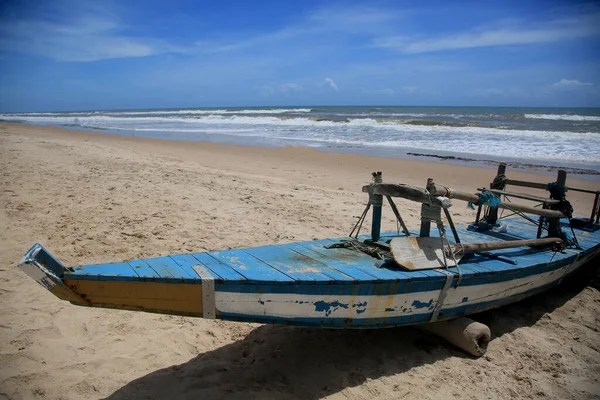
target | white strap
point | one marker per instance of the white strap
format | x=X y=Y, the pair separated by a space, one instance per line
x=443 y=293
x=208 y=292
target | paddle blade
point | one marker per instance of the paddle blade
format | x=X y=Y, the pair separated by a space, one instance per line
x=416 y=253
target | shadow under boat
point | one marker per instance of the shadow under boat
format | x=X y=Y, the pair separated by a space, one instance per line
x=283 y=362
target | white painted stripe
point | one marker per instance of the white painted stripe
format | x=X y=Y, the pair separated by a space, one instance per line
x=496 y=291
x=208 y=292
x=292 y=305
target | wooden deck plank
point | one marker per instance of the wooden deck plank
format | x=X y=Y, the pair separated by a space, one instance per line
x=187 y=262
x=295 y=264
x=223 y=270
x=473 y=266
x=388 y=236
x=114 y=270
x=362 y=262
x=485 y=263
x=167 y=268
x=340 y=265
x=143 y=269
x=250 y=267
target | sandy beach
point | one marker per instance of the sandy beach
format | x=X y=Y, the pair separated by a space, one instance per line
x=92 y=197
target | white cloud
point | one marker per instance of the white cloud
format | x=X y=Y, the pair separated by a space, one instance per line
x=331 y=83
x=515 y=34
x=341 y=21
x=409 y=89
x=570 y=83
x=83 y=38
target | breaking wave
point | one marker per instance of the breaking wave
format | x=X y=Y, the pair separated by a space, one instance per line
x=564 y=117
x=495 y=131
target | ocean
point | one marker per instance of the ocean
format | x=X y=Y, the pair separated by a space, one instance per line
x=534 y=137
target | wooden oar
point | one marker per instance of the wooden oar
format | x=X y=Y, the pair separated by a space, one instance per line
x=509 y=244
x=416 y=253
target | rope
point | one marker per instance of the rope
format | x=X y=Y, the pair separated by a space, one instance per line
x=444 y=238
x=363 y=248
x=499 y=182
x=488 y=198
x=559 y=192
x=360 y=221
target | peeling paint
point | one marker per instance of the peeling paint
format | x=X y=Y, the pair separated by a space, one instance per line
x=419 y=304
x=323 y=306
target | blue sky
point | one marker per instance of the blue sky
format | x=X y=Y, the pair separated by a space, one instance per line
x=82 y=55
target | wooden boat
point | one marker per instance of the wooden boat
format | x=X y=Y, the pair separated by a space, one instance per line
x=375 y=281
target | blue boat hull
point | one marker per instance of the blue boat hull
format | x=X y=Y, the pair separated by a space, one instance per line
x=309 y=284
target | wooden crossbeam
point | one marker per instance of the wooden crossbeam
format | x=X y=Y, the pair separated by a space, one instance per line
x=422 y=196
x=521 y=196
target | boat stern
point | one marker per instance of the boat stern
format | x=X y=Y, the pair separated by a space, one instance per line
x=46 y=270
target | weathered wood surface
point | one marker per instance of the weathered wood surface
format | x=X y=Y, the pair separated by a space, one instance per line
x=405 y=191
x=422 y=253
x=466 y=334
x=533 y=185
x=420 y=195
x=583 y=190
x=509 y=244
x=521 y=196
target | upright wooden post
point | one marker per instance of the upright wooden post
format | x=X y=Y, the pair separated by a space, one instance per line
x=595 y=208
x=492 y=216
x=425 y=222
x=376 y=201
x=554 y=223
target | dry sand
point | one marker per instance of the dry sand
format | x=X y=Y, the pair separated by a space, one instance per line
x=92 y=197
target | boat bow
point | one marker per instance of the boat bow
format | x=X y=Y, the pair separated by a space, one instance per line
x=46 y=270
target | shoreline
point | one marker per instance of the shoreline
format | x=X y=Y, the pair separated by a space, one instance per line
x=448 y=158
x=94 y=198
x=310 y=166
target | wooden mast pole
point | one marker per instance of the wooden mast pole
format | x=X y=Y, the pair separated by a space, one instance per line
x=553 y=222
x=492 y=215
x=425 y=222
x=376 y=201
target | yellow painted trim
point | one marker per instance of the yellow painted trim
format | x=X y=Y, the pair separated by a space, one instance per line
x=168 y=298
